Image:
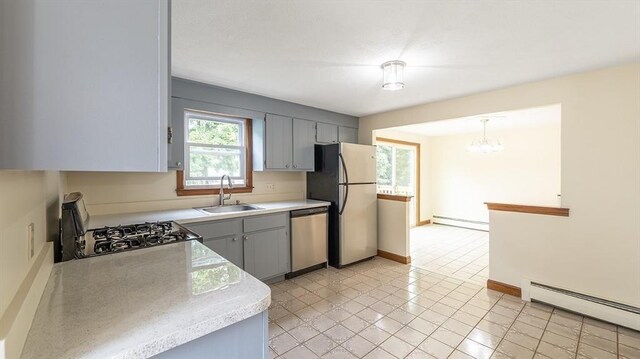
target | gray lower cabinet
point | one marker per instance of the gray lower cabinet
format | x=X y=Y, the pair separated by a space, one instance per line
x=347 y=134
x=259 y=244
x=229 y=247
x=248 y=338
x=326 y=133
x=266 y=253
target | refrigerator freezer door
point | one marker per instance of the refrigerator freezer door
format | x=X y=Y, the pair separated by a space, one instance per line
x=360 y=161
x=358 y=223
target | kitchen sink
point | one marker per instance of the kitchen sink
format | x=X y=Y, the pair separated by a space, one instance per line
x=228 y=208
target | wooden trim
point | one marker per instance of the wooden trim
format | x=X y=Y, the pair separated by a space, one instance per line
x=248 y=188
x=394 y=257
x=549 y=211
x=424 y=223
x=418 y=184
x=393 y=197
x=399 y=142
x=504 y=288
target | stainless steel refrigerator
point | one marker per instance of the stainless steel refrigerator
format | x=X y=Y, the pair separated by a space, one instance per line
x=345 y=175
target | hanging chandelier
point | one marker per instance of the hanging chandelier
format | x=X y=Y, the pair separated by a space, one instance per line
x=393 y=75
x=485 y=145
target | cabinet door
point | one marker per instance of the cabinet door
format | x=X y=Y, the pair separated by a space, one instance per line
x=229 y=247
x=278 y=142
x=175 y=150
x=266 y=253
x=326 y=133
x=348 y=134
x=89 y=85
x=304 y=136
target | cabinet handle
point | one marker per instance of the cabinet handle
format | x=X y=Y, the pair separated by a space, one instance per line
x=235 y=239
x=245 y=237
x=295 y=166
x=286 y=166
x=178 y=163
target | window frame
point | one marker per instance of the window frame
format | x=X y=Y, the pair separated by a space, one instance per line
x=182 y=189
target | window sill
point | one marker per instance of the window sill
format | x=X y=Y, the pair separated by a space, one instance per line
x=210 y=191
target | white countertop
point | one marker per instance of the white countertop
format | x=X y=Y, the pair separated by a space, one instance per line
x=139 y=303
x=190 y=215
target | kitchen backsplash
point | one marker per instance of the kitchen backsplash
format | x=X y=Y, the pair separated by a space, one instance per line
x=117 y=192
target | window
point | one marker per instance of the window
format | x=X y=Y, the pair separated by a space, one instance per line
x=397 y=168
x=215 y=145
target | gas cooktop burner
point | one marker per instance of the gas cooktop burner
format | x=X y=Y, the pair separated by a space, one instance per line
x=121 y=238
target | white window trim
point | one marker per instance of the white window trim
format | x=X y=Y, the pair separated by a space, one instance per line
x=243 y=149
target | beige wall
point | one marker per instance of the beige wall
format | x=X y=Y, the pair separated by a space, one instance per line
x=527 y=171
x=25 y=197
x=114 y=192
x=597 y=249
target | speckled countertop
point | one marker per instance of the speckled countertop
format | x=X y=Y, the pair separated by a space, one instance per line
x=190 y=215
x=137 y=304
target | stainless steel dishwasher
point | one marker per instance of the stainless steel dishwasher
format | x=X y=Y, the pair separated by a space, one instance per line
x=308 y=240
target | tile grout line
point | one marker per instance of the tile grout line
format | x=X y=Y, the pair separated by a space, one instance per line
x=579 y=337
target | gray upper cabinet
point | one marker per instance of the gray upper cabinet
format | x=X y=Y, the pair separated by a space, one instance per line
x=278 y=142
x=347 y=134
x=304 y=136
x=326 y=133
x=88 y=85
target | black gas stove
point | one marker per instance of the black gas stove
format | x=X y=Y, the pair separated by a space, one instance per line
x=121 y=238
x=76 y=241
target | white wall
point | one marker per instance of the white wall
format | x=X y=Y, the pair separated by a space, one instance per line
x=393 y=227
x=117 y=192
x=596 y=250
x=25 y=197
x=527 y=171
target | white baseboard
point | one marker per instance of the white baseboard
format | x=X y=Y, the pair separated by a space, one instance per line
x=602 y=309
x=459 y=222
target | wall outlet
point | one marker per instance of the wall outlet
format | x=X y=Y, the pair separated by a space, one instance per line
x=30 y=241
x=270 y=187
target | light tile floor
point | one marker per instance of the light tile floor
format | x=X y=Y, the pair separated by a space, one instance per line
x=456 y=252
x=383 y=309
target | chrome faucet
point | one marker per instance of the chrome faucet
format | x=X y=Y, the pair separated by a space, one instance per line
x=222 y=197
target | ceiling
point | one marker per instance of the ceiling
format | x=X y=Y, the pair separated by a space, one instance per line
x=526 y=118
x=327 y=54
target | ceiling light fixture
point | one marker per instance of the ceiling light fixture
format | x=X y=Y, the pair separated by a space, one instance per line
x=393 y=75
x=485 y=145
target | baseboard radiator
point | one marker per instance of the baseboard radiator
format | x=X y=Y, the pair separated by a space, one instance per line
x=461 y=222
x=609 y=311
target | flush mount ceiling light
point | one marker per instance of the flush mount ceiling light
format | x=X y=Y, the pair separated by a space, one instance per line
x=485 y=145
x=393 y=75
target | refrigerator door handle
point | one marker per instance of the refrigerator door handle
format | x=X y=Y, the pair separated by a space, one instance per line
x=344 y=168
x=346 y=184
x=346 y=196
